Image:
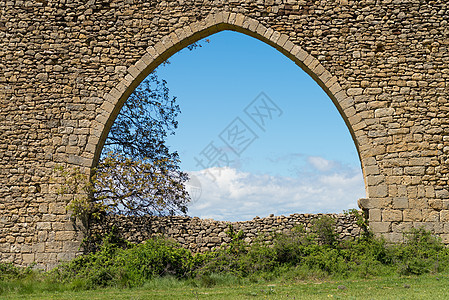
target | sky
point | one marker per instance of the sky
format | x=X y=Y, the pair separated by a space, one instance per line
x=257 y=135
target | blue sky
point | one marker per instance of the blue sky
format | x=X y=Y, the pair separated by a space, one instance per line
x=302 y=159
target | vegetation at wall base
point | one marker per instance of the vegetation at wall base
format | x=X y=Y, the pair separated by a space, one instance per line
x=296 y=256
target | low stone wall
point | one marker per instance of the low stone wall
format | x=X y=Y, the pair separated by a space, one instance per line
x=200 y=235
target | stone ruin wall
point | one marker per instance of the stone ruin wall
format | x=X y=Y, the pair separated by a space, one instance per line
x=202 y=235
x=66 y=67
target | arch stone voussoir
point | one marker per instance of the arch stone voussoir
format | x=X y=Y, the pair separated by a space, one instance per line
x=261 y=30
x=394 y=108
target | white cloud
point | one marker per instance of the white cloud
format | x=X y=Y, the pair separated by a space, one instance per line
x=233 y=195
x=320 y=163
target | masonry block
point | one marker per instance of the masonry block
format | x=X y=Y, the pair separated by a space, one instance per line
x=375 y=215
x=400 y=202
x=380 y=227
x=391 y=215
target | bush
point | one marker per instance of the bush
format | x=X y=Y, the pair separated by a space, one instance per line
x=295 y=254
x=421 y=253
x=115 y=265
x=323 y=227
x=8 y=272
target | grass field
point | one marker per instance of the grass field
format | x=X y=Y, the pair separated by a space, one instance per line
x=415 y=287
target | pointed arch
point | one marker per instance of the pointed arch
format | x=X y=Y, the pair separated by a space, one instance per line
x=182 y=37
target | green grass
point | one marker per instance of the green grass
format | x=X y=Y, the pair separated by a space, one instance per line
x=406 y=287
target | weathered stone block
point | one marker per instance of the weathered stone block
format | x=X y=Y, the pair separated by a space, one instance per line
x=354 y=91
x=28 y=258
x=441 y=194
x=65 y=256
x=64 y=235
x=401 y=227
x=412 y=215
x=45 y=258
x=426 y=225
x=375 y=180
x=53 y=247
x=430 y=215
x=436 y=204
x=43 y=225
x=417 y=203
x=375 y=215
x=57 y=208
x=369 y=203
x=380 y=227
x=444 y=216
x=393 y=237
x=372 y=170
x=417 y=170
x=391 y=215
x=378 y=191
x=383 y=112
x=400 y=202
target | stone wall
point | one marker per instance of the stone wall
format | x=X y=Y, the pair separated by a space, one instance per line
x=200 y=235
x=66 y=68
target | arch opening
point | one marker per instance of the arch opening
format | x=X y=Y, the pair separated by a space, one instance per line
x=181 y=38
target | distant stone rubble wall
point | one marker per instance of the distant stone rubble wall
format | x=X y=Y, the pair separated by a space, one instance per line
x=201 y=235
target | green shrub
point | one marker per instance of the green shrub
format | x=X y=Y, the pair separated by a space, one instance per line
x=289 y=247
x=237 y=244
x=115 y=265
x=324 y=230
x=8 y=272
x=420 y=253
x=295 y=254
